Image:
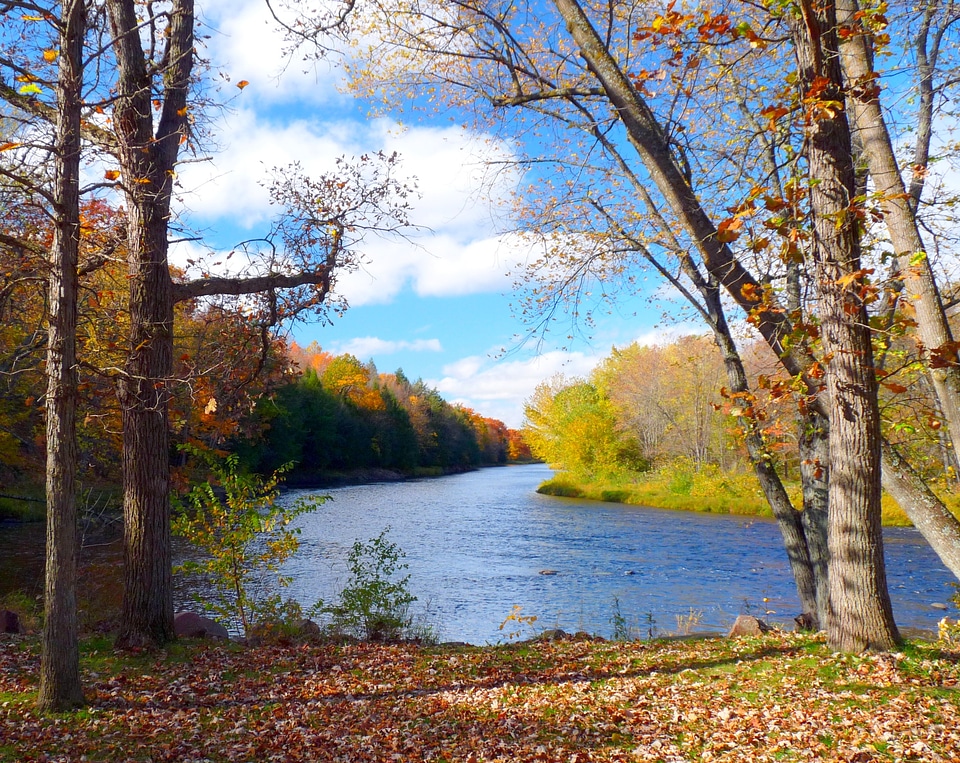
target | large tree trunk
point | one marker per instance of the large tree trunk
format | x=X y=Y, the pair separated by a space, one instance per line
x=60 y=687
x=860 y=616
x=147 y=161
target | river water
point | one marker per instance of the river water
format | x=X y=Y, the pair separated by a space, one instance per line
x=478 y=543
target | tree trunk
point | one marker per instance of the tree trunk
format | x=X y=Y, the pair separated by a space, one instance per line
x=814 y=447
x=934 y=521
x=147 y=163
x=60 y=687
x=810 y=578
x=860 y=616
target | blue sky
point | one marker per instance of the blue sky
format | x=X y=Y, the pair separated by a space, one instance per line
x=439 y=305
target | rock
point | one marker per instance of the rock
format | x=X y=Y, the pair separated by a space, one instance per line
x=308 y=629
x=939 y=605
x=554 y=634
x=748 y=625
x=192 y=625
x=10 y=622
x=805 y=622
x=548 y=572
x=629 y=572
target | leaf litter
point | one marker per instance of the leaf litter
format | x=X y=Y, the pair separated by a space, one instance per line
x=781 y=697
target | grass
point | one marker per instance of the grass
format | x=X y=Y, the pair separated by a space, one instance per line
x=779 y=697
x=712 y=492
x=27 y=505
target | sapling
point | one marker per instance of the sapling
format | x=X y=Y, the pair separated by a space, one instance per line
x=245 y=535
x=375 y=603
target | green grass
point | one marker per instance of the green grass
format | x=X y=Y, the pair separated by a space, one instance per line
x=764 y=698
x=714 y=493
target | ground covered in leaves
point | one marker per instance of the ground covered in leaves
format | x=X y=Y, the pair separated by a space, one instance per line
x=782 y=697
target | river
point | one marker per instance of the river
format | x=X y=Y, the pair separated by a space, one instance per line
x=478 y=543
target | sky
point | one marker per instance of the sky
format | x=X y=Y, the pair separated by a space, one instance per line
x=439 y=304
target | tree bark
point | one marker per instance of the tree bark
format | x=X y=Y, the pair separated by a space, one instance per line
x=147 y=162
x=860 y=616
x=814 y=448
x=60 y=687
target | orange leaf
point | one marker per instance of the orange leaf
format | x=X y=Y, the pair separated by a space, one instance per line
x=729 y=229
x=111 y=174
x=242 y=84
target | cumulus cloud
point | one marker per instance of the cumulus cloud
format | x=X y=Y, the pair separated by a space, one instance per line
x=455 y=248
x=498 y=388
x=245 y=43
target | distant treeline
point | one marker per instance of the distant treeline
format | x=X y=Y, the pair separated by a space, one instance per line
x=341 y=415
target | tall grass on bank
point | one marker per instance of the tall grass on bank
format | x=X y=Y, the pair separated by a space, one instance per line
x=679 y=486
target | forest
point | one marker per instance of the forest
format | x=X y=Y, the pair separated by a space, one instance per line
x=243 y=391
x=656 y=425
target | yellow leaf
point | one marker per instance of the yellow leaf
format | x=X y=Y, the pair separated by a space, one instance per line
x=8 y=146
x=211 y=406
x=50 y=55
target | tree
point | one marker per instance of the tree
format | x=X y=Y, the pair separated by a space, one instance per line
x=666 y=397
x=570 y=424
x=861 y=616
x=146 y=71
x=60 y=687
x=516 y=59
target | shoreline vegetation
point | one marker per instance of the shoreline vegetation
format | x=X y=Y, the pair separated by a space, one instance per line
x=27 y=504
x=709 y=491
x=781 y=696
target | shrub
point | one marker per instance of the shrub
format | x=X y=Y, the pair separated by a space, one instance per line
x=375 y=603
x=245 y=535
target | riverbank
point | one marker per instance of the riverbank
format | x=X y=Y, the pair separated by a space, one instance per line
x=713 y=494
x=781 y=697
x=29 y=504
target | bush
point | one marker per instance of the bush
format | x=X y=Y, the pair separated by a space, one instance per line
x=375 y=604
x=245 y=537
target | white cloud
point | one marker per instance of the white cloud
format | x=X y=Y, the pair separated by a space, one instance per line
x=246 y=43
x=370 y=346
x=498 y=388
x=451 y=252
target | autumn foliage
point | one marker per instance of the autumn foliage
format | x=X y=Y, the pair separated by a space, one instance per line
x=780 y=697
x=234 y=386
